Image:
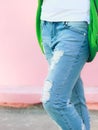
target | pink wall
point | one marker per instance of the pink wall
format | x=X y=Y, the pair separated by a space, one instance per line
x=90 y=73
x=21 y=61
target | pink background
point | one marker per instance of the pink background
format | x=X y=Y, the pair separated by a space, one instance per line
x=22 y=65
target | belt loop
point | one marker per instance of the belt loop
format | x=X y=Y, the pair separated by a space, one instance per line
x=66 y=22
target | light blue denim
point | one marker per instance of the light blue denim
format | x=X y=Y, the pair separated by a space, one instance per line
x=67 y=50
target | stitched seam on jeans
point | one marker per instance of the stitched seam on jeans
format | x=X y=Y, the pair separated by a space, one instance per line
x=81 y=111
x=66 y=121
x=78 y=54
x=79 y=100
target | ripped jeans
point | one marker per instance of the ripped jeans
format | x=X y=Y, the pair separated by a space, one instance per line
x=66 y=50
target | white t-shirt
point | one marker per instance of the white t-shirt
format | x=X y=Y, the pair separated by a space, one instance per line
x=65 y=10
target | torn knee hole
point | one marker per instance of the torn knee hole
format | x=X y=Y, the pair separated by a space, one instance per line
x=46 y=91
x=56 y=58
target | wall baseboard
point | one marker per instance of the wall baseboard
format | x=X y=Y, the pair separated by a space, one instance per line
x=27 y=96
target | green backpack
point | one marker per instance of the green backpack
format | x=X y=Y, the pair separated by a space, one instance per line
x=92 y=29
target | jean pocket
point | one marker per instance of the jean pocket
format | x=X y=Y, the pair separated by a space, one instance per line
x=78 y=27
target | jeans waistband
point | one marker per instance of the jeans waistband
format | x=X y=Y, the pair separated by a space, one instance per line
x=67 y=22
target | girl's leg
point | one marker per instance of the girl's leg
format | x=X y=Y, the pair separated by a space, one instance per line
x=68 y=59
x=78 y=99
x=56 y=96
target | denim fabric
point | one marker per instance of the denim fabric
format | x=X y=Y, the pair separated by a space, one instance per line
x=67 y=50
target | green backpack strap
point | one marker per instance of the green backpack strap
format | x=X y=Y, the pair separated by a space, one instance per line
x=38 y=24
x=96 y=4
x=96 y=25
